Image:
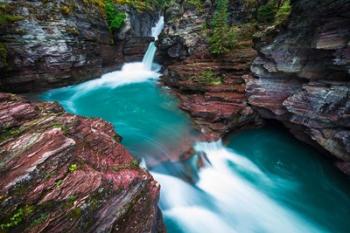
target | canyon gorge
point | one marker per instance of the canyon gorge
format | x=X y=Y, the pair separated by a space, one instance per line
x=153 y=127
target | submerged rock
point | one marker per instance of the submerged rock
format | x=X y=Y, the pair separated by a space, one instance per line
x=65 y=173
x=301 y=76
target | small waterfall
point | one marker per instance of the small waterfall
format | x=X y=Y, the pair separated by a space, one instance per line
x=149 y=56
x=134 y=72
x=157 y=29
x=151 y=51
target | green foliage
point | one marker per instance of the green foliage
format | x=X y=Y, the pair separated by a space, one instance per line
x=115 y=18
x=7 y=19
x=17 y=217
x=274 y=12
x=58 y=183
x=266 y=13
x=61 y=126
x=208 y=77
x=72 y=199
x=250 y=3
x=42 y=218
x=222 y=37
x=7 y=16
x=9 y=133
x=198 y=4
x=135 y=163
x=73 y=167
x=283 y=12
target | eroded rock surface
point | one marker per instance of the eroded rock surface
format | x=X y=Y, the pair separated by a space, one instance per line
x=64 y=173
x=302 y=76
x=211 y=89
x=56 y=43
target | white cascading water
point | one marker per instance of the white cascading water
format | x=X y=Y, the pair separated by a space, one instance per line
x=134 y=72
x=222 y=201
x=151 y=51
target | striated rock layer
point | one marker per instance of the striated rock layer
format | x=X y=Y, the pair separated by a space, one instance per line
x=56 y=43
x=302 y=76
x=64 y=173
x=211 y=89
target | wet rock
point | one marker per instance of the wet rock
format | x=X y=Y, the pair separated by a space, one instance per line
x=211 y=89
x=64 y=173
x=58 y=43
x=301 y=76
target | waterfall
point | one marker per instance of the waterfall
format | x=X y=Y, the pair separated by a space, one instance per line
x=134 y=72
x=149 y=56
x=157 y=29
x=151 y=51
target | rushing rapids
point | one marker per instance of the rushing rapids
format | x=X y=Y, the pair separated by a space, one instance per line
x=261 y=181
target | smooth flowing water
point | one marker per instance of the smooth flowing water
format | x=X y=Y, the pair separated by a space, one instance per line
x=259 y=180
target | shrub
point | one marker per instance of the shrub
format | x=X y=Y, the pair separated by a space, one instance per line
x=283 y=12
x=115 y=18
x=208 y=77
x=17 y=217
x=198 y=4
x=274 y=12
x=266 y=13
x=73 y=167
x=222 y=37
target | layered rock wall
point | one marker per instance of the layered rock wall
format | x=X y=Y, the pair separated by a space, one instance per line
x=64 y=173
x=47 y=44
x=210 y=88
x=302 y=76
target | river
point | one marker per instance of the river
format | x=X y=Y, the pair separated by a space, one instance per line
x=257 y=180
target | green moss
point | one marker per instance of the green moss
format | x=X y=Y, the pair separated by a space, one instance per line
x=58 y=183
x=283 y=12
x=198 y=4
x=208 y=77
x=8 y=19
x=40 y=219
x=70 y=201
x=64 y=128
x=10 y=133
x=135 y=163
x=17 y=217
x=73 y=167
x=7 y=16
x=75 y=213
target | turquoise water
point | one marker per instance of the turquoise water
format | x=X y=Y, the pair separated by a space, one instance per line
x=303 y=180
x=259 y=180
x=142 y=113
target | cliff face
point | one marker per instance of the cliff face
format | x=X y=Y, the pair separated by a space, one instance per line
x=64 y=173
x=210 y=88
x=302 y=76
x=55 y=43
